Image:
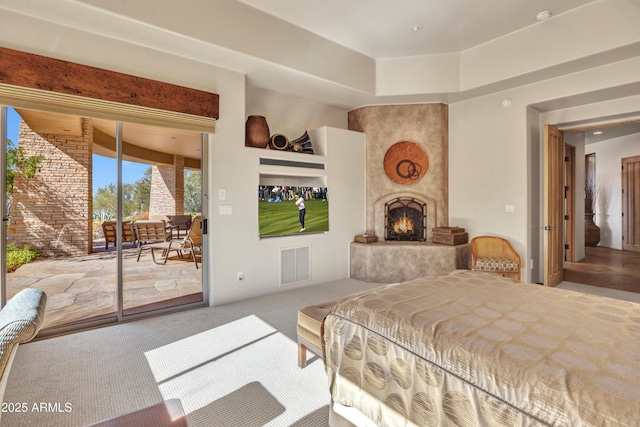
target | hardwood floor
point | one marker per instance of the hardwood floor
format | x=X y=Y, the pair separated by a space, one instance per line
x=605 y=267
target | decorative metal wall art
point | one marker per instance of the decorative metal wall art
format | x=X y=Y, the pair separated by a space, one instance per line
x=405 y=162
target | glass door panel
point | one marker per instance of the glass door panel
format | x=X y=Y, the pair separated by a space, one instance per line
x=76 y=189
x=55 y=237
x=162 y=203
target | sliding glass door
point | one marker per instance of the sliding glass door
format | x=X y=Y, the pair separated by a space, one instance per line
x=78 y=191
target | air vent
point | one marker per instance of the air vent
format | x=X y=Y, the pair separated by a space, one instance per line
x=295 y=265
x=291 y=164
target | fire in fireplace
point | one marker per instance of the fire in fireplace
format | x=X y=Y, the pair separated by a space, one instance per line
x=405 y=219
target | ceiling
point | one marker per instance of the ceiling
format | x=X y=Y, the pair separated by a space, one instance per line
x=150 y=138
x=226 y=33
x=385 y=29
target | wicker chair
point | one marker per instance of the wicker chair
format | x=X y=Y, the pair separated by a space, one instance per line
x=494 y=255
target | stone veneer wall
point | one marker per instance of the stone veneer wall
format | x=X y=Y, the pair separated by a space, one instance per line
x=167 y=189
x=424 y=124
x=52 y=212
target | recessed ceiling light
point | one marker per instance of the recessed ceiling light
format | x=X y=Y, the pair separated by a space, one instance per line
x=544 y=15
x=416 y=27
x=506 y=102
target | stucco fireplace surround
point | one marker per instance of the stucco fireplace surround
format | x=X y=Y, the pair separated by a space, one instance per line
x=393 y=261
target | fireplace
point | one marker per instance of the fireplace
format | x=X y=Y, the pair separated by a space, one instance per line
x=405 y=220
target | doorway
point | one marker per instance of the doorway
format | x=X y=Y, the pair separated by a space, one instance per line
x=76 y=187
x=617 y=141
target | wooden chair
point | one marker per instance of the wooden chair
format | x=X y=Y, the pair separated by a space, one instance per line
x=152 y=235
x=180 y=222
x=109 y=230
x=495 y=255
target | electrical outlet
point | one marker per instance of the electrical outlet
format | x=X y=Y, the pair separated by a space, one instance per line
x=240 y=276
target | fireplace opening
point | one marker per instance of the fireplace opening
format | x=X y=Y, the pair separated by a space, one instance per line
x=405 y=220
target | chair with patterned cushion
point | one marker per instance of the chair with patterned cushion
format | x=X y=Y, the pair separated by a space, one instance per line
x=494 y=255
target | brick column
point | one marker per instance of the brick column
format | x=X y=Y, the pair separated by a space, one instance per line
x=167 y=188
x=52 y=212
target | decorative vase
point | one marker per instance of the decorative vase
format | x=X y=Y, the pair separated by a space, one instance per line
x=279 y=142
x=256 y=132
x=591 y=231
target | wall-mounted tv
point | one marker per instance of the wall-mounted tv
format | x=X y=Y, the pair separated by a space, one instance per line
x=280 y=212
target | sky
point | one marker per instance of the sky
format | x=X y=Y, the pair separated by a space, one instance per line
x=104 y=168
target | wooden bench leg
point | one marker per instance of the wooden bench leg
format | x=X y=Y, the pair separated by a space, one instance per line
x=302 y=356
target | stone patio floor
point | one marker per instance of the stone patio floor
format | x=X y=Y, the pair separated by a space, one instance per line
x=84 y=287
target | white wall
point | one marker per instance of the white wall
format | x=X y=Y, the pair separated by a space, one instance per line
x=289 y=116
x=609 y=155
x=492 y=150
x=236 y=245
x=233 y=243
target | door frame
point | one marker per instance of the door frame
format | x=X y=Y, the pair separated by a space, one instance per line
x=629 y=197
x=570 y=203
x=119 y=315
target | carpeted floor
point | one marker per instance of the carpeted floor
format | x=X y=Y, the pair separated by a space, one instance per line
x=230 y=365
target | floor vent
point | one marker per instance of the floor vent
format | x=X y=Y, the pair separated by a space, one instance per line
x=295 y=264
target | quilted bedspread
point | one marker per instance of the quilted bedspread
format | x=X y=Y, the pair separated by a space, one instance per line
x=475 y=349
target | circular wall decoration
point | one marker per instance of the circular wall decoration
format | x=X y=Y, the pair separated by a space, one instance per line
x=405 y=162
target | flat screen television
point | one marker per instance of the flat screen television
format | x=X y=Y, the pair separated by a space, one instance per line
x=278 y=214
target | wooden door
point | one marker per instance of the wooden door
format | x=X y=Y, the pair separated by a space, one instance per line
x=553 y=206
x=631 y=204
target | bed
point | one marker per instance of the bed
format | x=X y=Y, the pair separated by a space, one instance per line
x=475 y=349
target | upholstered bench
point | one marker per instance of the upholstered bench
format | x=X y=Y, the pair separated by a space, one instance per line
x=20 y=321
x=310 y=327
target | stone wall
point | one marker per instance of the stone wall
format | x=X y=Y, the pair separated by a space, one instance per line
x=167 y=189
x=423 y=124
x=52 y=212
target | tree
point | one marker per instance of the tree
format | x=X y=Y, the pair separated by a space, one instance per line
x=193 y=192
x=18 y=164
x=142 y=192
x=135 y=197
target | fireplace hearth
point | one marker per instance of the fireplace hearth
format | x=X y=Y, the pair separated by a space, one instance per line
x=405 y=220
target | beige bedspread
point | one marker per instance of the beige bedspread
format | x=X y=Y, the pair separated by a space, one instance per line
x=475 y=349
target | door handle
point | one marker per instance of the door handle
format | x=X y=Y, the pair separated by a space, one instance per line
x=548 y=227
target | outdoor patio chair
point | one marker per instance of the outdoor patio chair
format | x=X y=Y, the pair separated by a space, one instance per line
x=187 y=247
x=109 y=231
x=152 y=235
x=180 y=222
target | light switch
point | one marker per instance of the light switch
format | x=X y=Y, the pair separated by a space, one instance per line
x=222 y=194
x=509 y=208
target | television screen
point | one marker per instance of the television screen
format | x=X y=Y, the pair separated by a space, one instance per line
x=286 y=210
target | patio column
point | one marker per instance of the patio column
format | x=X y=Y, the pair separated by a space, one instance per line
x=52 y=212
x=167 y=188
